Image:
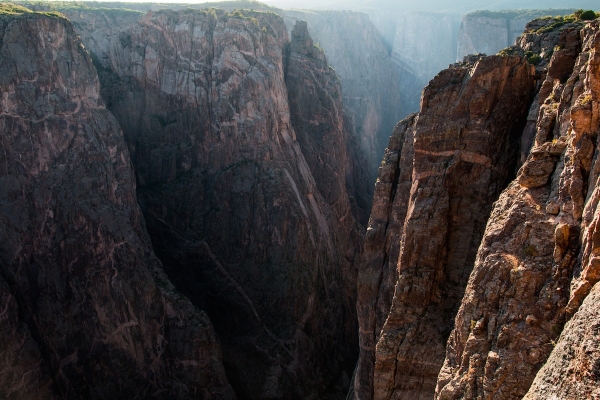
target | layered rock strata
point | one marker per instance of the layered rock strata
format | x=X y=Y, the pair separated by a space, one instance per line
x=244 y=187
x=441 y=183
x=86 y=310
x=536 y=261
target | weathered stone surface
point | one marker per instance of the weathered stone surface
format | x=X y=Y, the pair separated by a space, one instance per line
x=534 y=254
x=377 y=275
x=97 y=318
x=371 y=92
x=465 y=145
x=231 y=203
x=573 y=369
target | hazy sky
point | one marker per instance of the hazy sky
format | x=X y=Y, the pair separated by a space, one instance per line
x=409 y=5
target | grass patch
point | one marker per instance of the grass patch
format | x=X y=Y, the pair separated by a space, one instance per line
x=518 y=14
x=11 y=9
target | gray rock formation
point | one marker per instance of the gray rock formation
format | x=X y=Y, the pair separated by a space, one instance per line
x=97 y=317
x=425 y=43
x=231 y=203
x=372 y=97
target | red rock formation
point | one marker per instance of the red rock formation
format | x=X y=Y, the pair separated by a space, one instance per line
x=464 y=147
x=97 y=318
x=377 y=275
x=535 y=263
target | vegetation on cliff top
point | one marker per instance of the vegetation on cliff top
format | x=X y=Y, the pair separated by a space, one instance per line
x=552 y=23
x=10 y=9
x=520 y=14
x=53 y=6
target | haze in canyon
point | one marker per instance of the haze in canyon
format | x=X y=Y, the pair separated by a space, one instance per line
x=327 y=200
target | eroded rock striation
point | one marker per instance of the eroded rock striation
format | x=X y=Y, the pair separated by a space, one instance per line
x=463 y=144
x=239 y=143
x=86 y=310
x=535 y=263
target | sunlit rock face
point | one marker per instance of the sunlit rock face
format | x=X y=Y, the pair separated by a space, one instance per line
x=481 y=300
x=443 y=170
x=87 y=311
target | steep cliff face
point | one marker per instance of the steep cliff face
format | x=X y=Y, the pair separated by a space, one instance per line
x=425 y=43
x=465 y=139
x=377 y=274
x=372 y=97
x=86 y=310
x=246 y=227
x=536 y=261
x=489 y=32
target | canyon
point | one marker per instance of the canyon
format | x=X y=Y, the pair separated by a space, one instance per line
x=187 y=208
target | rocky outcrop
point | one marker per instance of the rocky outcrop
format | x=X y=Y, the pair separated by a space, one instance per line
x=535 y=265
x=489 y=32
x=221 y=150
x=442 y=186
x=573 y=368
x=86 y=310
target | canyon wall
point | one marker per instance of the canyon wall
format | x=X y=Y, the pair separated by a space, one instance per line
x=451 y=308
x=453 y=173
x=87 y=310
x=535 y=263
x=425 y=43
x=240 y=147
x=488 y=32
x=372 y=96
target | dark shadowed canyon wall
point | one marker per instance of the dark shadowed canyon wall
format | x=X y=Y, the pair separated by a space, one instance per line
x=87 y=310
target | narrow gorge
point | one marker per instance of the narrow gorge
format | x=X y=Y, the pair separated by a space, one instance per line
x=189 y=207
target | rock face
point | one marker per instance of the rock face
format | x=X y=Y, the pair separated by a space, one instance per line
x=372 y=97
x=573 y=368
x=247 y=188
x=86 y=310
x=489 y=32
x=425 y=43
x=455 y=158
x=533 y=267
x=377 y=275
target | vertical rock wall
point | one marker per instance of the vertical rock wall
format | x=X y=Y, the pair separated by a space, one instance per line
x=530 y=273
x=245 y=189
x=97 y=318
x=465 y=141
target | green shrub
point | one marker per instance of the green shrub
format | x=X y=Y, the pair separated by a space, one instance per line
x=587 y=15
x=534 y=59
